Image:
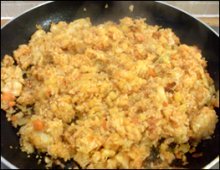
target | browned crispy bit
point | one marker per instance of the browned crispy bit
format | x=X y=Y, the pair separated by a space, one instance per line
x=170 y=87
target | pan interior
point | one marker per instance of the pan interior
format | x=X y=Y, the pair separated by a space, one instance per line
x=188 y=29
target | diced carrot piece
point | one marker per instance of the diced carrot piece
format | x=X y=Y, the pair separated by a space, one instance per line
x=178 y=155
x=13 y=118
x=104 y=125
x=165 y=104
x=135 y=120
x=48 y=93
x=151 y=72
x=7 y=96
x=38 y=125
x=139 y=37
x=11 y=103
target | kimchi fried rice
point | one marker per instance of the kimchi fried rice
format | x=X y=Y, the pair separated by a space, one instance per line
x=109 y=95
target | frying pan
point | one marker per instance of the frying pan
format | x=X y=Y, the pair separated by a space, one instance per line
x=190 y=30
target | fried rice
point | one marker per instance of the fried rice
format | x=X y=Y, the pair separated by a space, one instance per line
x=109 y=95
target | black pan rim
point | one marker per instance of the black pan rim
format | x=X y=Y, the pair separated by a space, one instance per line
x=209 y=165
x=160 y=2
